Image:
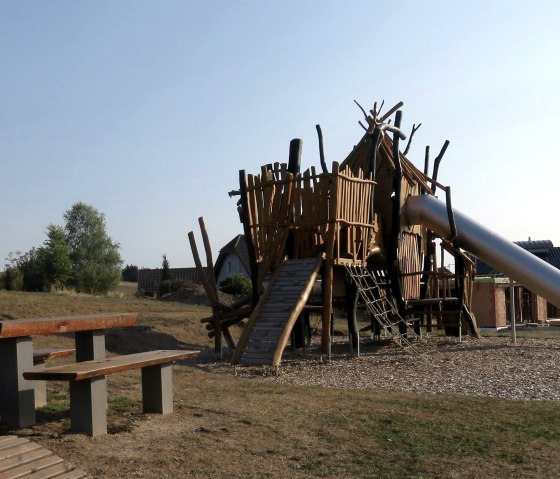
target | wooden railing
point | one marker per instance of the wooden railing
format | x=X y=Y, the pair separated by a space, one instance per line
x=295 y=214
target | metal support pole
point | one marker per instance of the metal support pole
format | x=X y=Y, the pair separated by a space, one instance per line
x=512 y=309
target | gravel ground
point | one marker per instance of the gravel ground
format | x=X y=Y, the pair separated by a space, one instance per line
x=491 y=366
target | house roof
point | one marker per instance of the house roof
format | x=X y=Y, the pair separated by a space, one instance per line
x=237 y=246
x=543 y=249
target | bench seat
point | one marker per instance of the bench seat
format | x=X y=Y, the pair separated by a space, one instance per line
x=43 y=355
x=88 y=393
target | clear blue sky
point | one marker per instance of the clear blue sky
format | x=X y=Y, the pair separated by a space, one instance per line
x=147 y=110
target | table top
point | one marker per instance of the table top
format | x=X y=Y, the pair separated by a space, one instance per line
x=14 y=328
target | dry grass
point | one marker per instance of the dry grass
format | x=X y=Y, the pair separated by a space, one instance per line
x=226 y=426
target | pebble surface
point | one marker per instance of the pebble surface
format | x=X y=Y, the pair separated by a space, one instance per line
x=491 y=366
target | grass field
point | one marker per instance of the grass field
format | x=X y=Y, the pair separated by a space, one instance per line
x=225 y=426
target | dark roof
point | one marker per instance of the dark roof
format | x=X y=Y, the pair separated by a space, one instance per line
x=554 y=256
x=543 y=249
x=237 y=246
x=535 y=246
x=482 y=269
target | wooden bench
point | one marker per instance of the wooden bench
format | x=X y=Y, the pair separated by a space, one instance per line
x=88 y=392
x=40 y=357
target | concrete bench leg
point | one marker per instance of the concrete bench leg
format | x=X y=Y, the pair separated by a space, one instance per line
x=157 y=389
x=88 y=406
x=40 y=388
x=17 y=401
x=90 y=345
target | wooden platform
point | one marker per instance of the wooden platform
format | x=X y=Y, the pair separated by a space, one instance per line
x=21 y=458
x=266 y=334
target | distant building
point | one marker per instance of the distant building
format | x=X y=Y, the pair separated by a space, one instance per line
x=233 y=259
x=491 y=299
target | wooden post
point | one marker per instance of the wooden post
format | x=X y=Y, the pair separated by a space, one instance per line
x=211 y=276
x=248 y=238
x=328 y=270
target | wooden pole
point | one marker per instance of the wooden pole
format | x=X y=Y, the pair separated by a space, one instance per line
x=248 y=238
x=512 y=310
x=328 y=270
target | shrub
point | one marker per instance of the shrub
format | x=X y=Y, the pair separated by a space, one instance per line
x=171 y=285
x=236 y=285
x=13 y=279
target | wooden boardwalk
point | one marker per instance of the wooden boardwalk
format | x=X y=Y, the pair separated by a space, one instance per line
x=266 y=334
x=23 y=459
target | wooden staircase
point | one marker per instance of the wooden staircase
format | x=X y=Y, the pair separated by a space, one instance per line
x=267 y=332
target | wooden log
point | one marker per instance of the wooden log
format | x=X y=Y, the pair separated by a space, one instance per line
x=210 y=291
x=248 y=238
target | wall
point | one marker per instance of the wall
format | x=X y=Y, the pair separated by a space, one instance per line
x=489 y=304
x=231 y=265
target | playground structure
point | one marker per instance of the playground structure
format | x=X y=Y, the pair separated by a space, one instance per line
x=363 y=235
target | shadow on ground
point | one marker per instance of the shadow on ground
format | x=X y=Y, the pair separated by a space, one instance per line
x=138 y=339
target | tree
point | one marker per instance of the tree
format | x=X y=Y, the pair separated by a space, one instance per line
x=165 y=274
x=56 y=254
x=130 y=273
x=96 y=261
x=13 y=277
x=32 y=266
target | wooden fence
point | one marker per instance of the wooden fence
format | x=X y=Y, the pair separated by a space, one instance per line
x=294 y=214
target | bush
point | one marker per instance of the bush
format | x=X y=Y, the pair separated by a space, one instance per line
x=13 y=279
x=236 y=285
x=171 y=285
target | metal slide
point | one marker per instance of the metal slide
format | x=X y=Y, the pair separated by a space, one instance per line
x=503 y=255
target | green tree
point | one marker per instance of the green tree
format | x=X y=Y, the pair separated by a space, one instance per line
x=165 y=274
x=13 y=277
x=130 y=273
x=96 y=261
x=56 y=254
x=32 y=266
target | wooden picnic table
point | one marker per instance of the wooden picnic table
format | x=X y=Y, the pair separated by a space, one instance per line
x=17 y=395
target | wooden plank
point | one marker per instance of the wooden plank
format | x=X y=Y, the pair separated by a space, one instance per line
x=50 y=472
x=8 y=441
x=102 y=367
x=28 y=470
x=45 y=354
x=13 y=328
x=19 y=447
x=24 y=458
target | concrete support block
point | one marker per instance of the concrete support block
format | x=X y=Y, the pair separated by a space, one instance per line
x=17 y=401
x=40 y=388
x=157 y=389
x=90 y=345
x=88 y=406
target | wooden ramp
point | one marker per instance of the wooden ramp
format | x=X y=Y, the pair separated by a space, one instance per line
x=24 y=459
x=267 y=332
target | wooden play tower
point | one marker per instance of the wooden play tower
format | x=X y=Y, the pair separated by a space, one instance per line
x=342 y=233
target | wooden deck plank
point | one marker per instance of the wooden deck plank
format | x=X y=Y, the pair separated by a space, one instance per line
x=20 y=448
x=27 y=470
x=24 y=458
